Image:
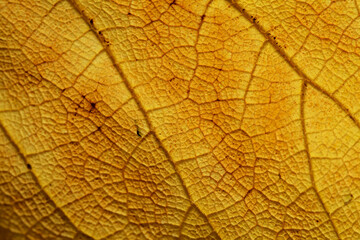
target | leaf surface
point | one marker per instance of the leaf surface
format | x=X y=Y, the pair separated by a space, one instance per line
x=205 y=119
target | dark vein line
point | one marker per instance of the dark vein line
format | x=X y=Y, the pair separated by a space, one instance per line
x=139 y=104
x=184 y=219
x=251 y=79
x=291 y=63
x=306 y=143
x=306 y=79
x=22 y=156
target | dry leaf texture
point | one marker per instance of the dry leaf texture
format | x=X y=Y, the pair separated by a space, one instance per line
x=178 y=119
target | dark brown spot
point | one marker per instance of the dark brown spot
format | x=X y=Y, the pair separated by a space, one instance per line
x=91 y=21
x=248 y=192
x=28 y=166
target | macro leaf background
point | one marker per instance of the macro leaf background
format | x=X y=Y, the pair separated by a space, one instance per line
x=207 y=119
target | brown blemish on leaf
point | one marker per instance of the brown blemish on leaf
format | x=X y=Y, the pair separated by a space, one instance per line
x=138 y=132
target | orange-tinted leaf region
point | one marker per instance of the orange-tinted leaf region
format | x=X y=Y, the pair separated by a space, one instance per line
x=179 y=119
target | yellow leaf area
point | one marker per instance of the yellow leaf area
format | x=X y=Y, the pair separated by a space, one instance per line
x=179 y=119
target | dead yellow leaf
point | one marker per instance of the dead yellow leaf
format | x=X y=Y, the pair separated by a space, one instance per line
x=207 y=119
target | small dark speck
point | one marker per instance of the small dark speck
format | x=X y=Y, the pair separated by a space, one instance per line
x=138 y=132
x=93 y=105
x=202 y=17
x=249 y=191
x=91 y=21
x=28 y=166
x=274 y=37
x=100 y=32
x=317 y=220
